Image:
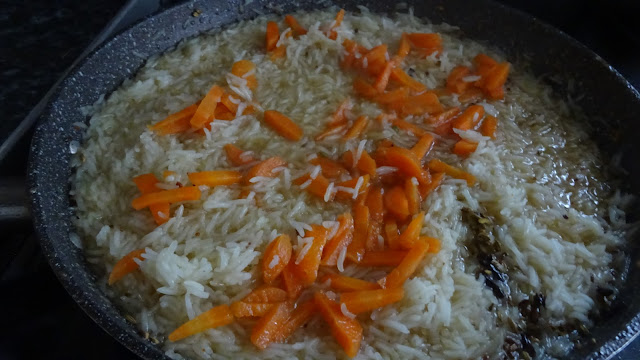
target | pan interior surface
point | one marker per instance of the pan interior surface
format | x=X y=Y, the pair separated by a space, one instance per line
x=522 y=39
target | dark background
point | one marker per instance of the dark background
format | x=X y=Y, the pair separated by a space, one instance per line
x=40 y=38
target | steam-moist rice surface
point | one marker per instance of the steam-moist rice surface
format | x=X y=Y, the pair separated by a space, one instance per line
x=540 y=181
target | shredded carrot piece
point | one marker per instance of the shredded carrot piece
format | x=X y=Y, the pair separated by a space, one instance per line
x=428 y=188
x=332 y=131
x=216 y=317
x=187 y=193
x=266 y=294
x=398 y=75
x=470 y=95
x=412 y=128
x=351 y=47
x=345 y=284
x=413 y=196
x=407 y=267
x=395 y=201
x=455 y=82
x=282 y=125
x=423 y=146
x=469 y=118
x=236 y=157
x=146 y=183
x=266 y=330
x=411 y=234
x=358 y=127
x=125 y=265
x=339 y=241
x=176 y=122
x=484 y=61
x=341 y=195
x=215 y=178
x=489 y=126
x=443 y=117
x=498 y=76
x=332 y=34
x=364 y=89
x=434 y=244
x=241 y=309
x=464 y=148
x=222 y=113
x=397 y=96
x=429 y=43
x=366 y=164
x=290 y=281
x=272 y=36
x=439 y=166
x=330 y=168
x=383 y=78
x=425 y=103
x=240 y=69
x=298 y=30
x=405 y=47
x=317 y=186
x=383 y=258
x=281 y=50
x=403 y=159
x=375 y=204
x=376 y=60
x=205 y=112
x=340 y=115
x=361 y=218
x=368 y=300
x=307 y=268
x=276 y=257
x=300 y=316
x=391 y=233
x=264 y=168
x=345 y=330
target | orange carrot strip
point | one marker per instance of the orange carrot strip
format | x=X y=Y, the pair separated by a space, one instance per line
x=391 y=233
x=413 y=196
x=430 y=43
x=383 y=258
x=434 y=244
x=376 y=60
x=411 y=234
x=351 y=47
x=187 y=193
x=236 y=157
x=343 y=283
x=464 y=148
x=405 y=46
x=339 y=17
x=398 y=75
x=215 y=178
x=339 y=241
x=358 y=127
x=240 y=69
x=484 y=61
x=439 y=166
x=345 y=330
x=340 y=115
x=241 y=309
x=276 y=257
x=489 y=126
x=330 y=168
x=383 y=78
x=443 y=117
x=290 y=281
x=341 y=195
x=455 y=82
x=298 y=30
x=403 y=159
x=282 y=125
x=267 y=328
x=266 y=294
x=300 y=316
x=205 y=112
x=395 y=201
x=366 y=164
x=160 y=213
x=356 y=250
x=412 y=128
x=368 y=300
x=307 y=268
x=146 y=183
x=469 y=118
x=217 y=316
x=425 y=103
x=423 y=146
x=332 y=131
x=264 y=168
x=317 y=186
x=470 y=95
x=396 y=96
x=125 y=265
x=407 y=267
x=375 y=204
x=428 y=188
x=498 y=76
x=281 y=50
x=176 y=122
x=364 y=89
x=272 y=36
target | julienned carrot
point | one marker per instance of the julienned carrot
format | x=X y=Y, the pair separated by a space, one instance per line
x=307 y=268
x=484 y=62
x=266 y=330
x=281 y=50
x=351 y=48
x=345 y=283
x=276 y=257
x=375 y=204
x=383 y=258
x=206 y=110
x=266 y=294
x=332 y=33
x=406 y=268
x=439 y=166
x=455 y=80
x=395 y=201
x=357 y=248
x=176 y=122
x=345 y=330
x=317 y=186
x=146 y=183
x=290 y=281
x=405 y=46
x=368 y=300
x=464 y=148
x=187 y=193
x=397 y=96
x=283 y=125
x=470 y=95
x=364 y=89
x=403 y=159
x=352 y=184
x=330 y=168
x=423 y=146
x=489 y=126
x=237 y=156
x=241 y=309
x=298 y=30
x=398 y=75
x=125 y=265
x=340 y=115
x=241 y=69
x=413 y=195
x=332 y=130
x=339 y=242
x=376 y=60
x=358 y=127
x=391 y=233
x=425 y=103
x=300 y=316
x=215 y=178
x=428 y=188
x=411 y=234
x=264 y=168
x=443 y=117
x=412 y=128
x=218 y=316
x=428 y=42
x=382 y=80
x=434 y=244
x=497 y=76
x=469 y=118
x=365 y=164
x=272 y=36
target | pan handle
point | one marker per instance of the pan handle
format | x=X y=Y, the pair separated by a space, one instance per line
x=14 y=200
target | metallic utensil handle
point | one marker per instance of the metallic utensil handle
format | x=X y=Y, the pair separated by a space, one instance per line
x=13 y=200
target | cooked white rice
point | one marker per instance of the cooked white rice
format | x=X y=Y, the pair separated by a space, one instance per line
x=540 y=181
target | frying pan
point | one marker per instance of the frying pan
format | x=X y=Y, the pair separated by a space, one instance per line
x=609 y=101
